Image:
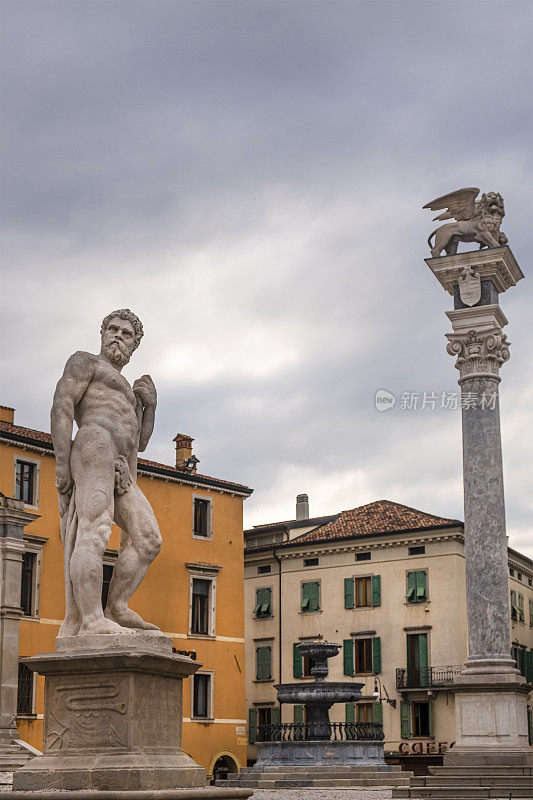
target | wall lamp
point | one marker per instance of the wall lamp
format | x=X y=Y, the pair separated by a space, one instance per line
x=379 y=690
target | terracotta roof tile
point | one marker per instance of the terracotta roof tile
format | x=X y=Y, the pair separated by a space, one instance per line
x=382 y=516
x=41 y=436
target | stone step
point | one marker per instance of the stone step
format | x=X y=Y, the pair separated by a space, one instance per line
x=287 y=781
x=510 y=781
x=461 y=792
x=327 y=773
x=481 y=770
x=320 y=769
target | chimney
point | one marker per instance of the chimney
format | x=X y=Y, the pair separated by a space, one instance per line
x=184 y=456
x=7 y=414
x=302 y=506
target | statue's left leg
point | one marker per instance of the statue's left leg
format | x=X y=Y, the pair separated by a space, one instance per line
x=140 y=545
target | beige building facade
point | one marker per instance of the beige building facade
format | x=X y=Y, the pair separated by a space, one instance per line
x=388 y=583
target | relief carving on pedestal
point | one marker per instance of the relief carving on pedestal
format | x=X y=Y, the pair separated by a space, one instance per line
x=86 y=712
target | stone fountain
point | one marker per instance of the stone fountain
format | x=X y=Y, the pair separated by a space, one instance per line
x=319 y=752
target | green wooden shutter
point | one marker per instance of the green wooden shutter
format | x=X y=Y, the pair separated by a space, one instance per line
x=531 y=612
x=424 y=658
x=297 y=669
x=348 y=593
x=411 y=587
x=377 y=712
x=405 y=719
x=274 y=715
x=350 y=712
x=258 y=601
x=376 y=590
x=530 y=725
x=306 y=599
x=376 y=654
x=514 y=607
x=529 y=666
x=421 y=586
x=298 y=714
x=314 y=596
x=268 y=663
x=347 y=656
x=266 y=608
x=430 y=717
x=252 y=725
x=521 y=614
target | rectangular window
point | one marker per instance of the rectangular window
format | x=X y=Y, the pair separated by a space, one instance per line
x=420 y=719
x=363 y=592
x=310 y=562
x=201 y=590
x=363 y=656
x=25 y=474
x=418 y=550
x=201 y=707
x=311 y=596
x=107 y=574
x=263 y=663
x=27 y=586
x=417 y=586
x=25 y=691
x=202 y=517
x=263 y=602
x=364 y=712
x=363 y=556
x=264 y=570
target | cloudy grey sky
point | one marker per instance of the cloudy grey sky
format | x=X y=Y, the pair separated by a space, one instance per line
x=248 y=177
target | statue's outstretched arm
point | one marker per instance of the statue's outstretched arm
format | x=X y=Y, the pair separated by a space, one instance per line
x=71 y=387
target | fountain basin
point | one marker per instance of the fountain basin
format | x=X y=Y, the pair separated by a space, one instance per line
x=319 y=694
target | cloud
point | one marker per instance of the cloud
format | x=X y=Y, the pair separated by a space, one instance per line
x=249 y=179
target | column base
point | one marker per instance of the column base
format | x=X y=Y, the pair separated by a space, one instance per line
x=113 y=717
x=491 y=717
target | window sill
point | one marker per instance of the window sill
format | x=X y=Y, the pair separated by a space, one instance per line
x=418 y=603
x=33 y=617
x=209 y=636
x=202 y=538
x=266 y=616
x=308 y=613
x=267 y=680
x=27 y=716
x=203 y=720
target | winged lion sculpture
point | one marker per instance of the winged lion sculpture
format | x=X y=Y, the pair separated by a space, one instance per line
x=476 y=220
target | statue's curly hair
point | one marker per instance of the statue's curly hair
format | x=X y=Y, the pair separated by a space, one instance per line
x=125 y=313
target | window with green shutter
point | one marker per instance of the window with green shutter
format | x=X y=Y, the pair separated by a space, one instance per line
x=297 y=667
x=263 y=662
x=376 y=655
x=405 y=719
x=376 y=590
x=348 y=593
x=347 y=656
x=521 y=612
x=311 y=596
x=514 y=606
x=252 y=725
x=263 y=602
x=275 y=715
x=298 y=714
x=417 y=586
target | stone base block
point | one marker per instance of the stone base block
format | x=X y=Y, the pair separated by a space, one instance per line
x=317 y=753
x=113 y=719
x=491 y=719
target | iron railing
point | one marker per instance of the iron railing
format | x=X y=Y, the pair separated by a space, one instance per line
x=426 y=678
x=320 y=731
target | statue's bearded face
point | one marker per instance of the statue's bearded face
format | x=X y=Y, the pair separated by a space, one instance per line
x=118 y=341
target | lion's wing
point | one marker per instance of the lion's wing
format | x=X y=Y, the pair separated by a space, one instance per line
x=459 y=205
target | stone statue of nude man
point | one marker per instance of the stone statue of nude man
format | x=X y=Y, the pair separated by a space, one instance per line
x=96 y=479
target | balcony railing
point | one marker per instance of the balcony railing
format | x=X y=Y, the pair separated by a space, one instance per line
x=321 y=731
x=426 y=678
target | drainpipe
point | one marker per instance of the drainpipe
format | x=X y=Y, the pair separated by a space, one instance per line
x=280 y=649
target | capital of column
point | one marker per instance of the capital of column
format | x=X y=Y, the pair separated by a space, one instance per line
x=478 y=341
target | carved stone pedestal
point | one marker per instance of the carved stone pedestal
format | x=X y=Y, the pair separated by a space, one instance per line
x=113 y=718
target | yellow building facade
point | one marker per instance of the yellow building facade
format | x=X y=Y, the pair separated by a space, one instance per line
x=193 y=591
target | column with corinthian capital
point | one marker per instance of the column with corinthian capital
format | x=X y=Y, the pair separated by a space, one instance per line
x=490 y=693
